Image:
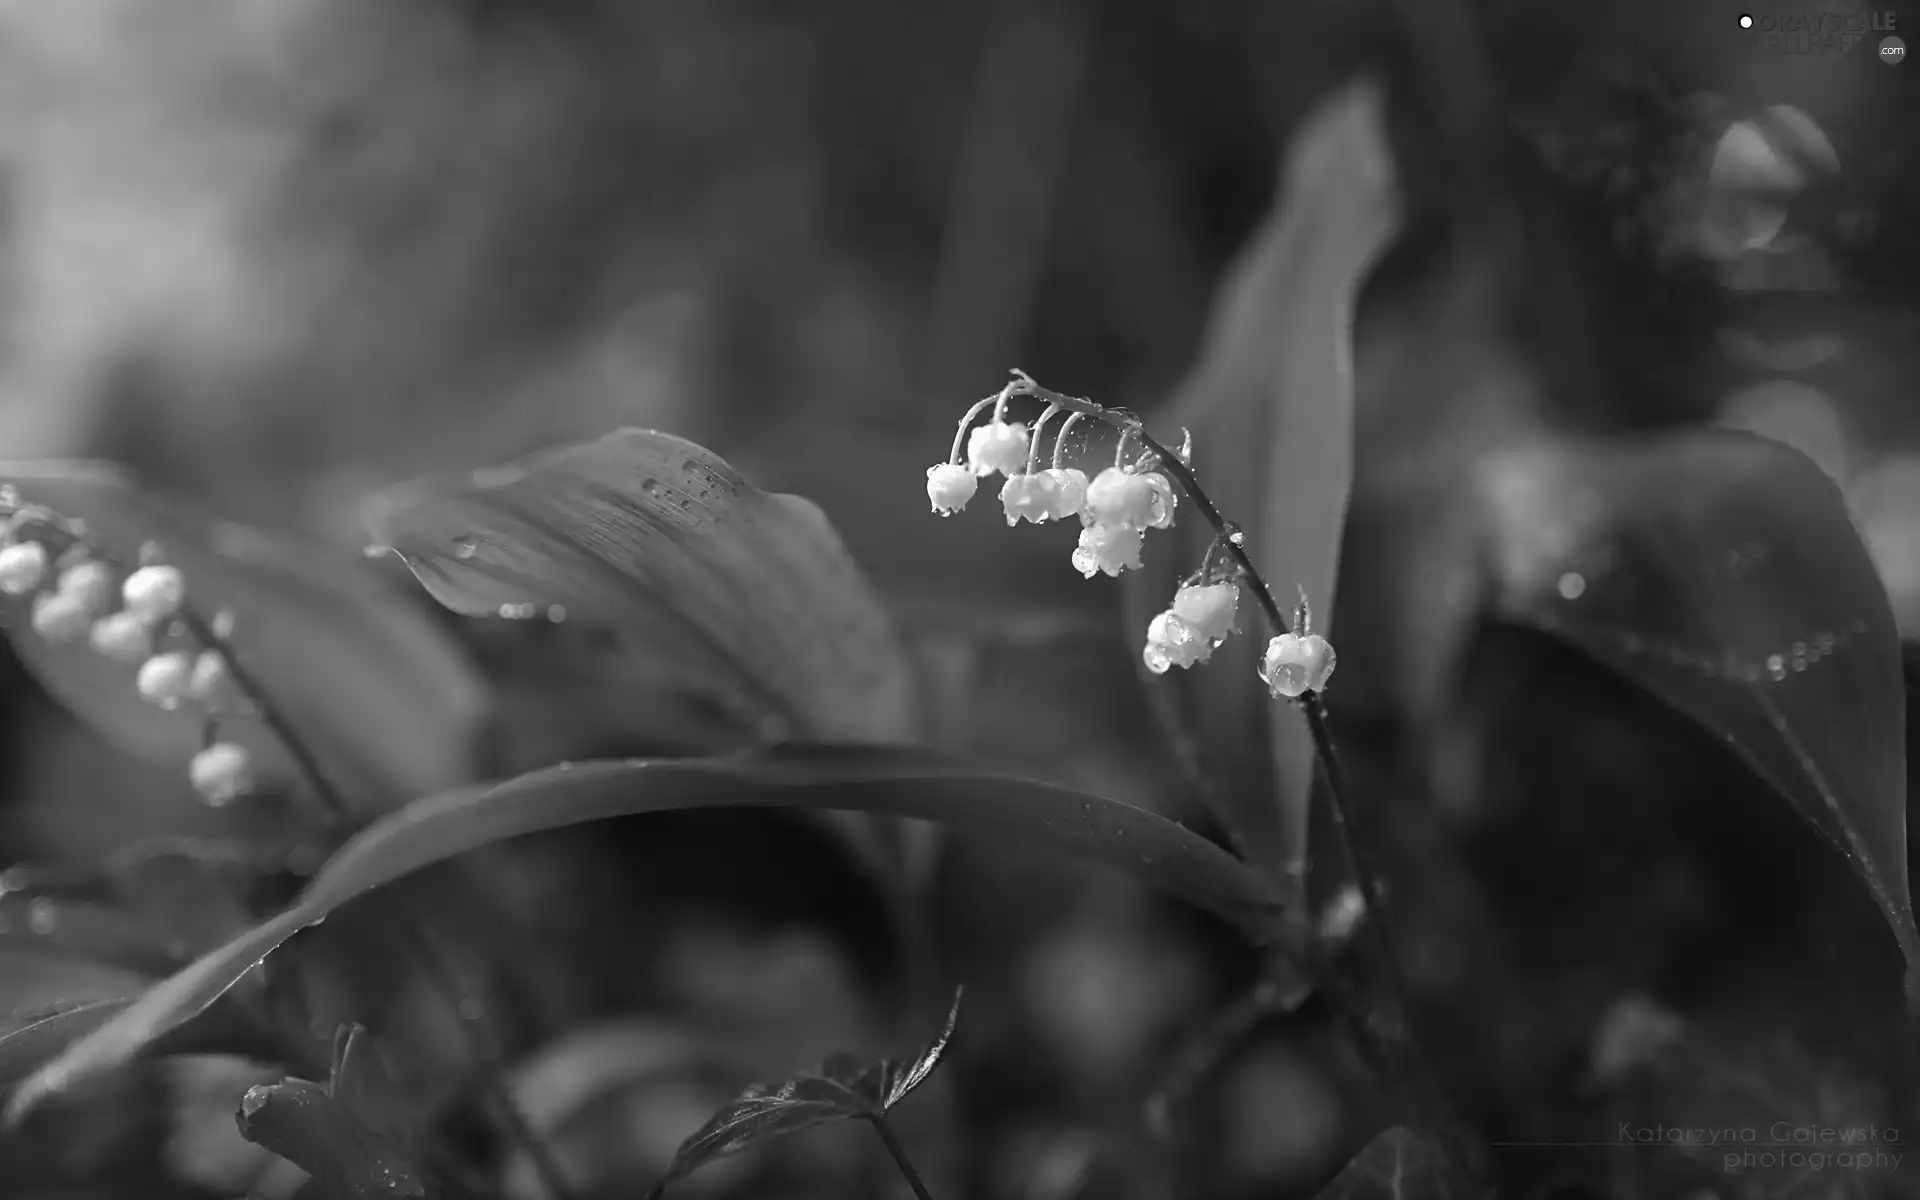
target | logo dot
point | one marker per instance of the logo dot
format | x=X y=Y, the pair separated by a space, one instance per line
x=1892 y=51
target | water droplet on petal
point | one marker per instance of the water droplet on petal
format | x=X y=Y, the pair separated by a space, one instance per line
x=1237 y=538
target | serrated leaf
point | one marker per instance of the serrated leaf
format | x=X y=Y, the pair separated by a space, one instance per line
x=388 y=702
x=896 y=781
x=843 y=1088
x=1397 y=1165
x=1270 y=404
x=345 y=1134
x=750 y=596
x=1721 y=571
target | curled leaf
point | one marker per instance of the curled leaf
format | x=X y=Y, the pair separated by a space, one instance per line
x=343 y=1134
x=1722 y=572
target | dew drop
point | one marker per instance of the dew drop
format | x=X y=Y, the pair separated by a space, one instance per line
x=1799 y=664
x=556 y=613
x=1237 y=538
x=517 y=612
x=1798 y=649
x=650 y=486
x=466 y=547
x=41 y=916
x=1572 y=585
x=222 y=626
x=1776 y=667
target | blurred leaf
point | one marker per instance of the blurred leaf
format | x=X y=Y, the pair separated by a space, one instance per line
x=35 y=976
x=567 y=1076
x=1721 y=571
x=845 y=1087
x=747 y=595
x=722 y=600
x=29 y=1042
x=384 y=697
x=1270 y=402
x=1397 y=1165
x=345 y=1135
x=897 y=781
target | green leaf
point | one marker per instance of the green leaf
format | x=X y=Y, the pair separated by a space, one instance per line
x=713 y=586
x=391 y=706
x=346 y=1134
x=1721 y=572
x=1397 y=1165
x=892 y=780
x=1270 y=404
x=845 y=1087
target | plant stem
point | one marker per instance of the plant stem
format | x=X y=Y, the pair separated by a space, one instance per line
x=900 y=1159
x=336 y=814
x=1417 y=1074
x=1198 y=1058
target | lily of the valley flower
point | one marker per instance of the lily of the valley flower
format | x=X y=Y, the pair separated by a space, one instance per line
x=998 y=447
x=1032 y=497
x=1208 y=609
x=1295 y=665
x=1108 y=548
x=950 y=486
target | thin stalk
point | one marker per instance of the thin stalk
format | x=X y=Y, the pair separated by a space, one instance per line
x=337 y=814
x=1418 y=1074
x=900 y=1159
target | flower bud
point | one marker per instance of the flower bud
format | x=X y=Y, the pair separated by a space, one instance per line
x=165 y=679
x=950 y=486
x=58 y=617
x=1029 y=496
x=209 y=678
x=22 y=566
x=1294 y=665
x=997 y=446
x=123 y=637
x=1208 y=609
x=89 y=584
x=154 y=593
x=221 y=773
x=1109 y=548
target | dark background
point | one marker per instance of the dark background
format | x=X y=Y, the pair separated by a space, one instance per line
x=274 y=255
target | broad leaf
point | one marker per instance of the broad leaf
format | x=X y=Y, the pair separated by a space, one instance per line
x=1270 y=404
x=342 y=1134
x=742 y=596
x=388 y=702
x=722 y=605
x=1397 y=1165
x=1721 y=572
x=845 y=1087
x=895 y=781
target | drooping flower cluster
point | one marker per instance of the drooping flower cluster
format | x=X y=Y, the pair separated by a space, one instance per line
x=1116 y=509
x=75 y=593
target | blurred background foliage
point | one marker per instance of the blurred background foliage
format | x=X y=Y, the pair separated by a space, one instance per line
x=275 y=253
